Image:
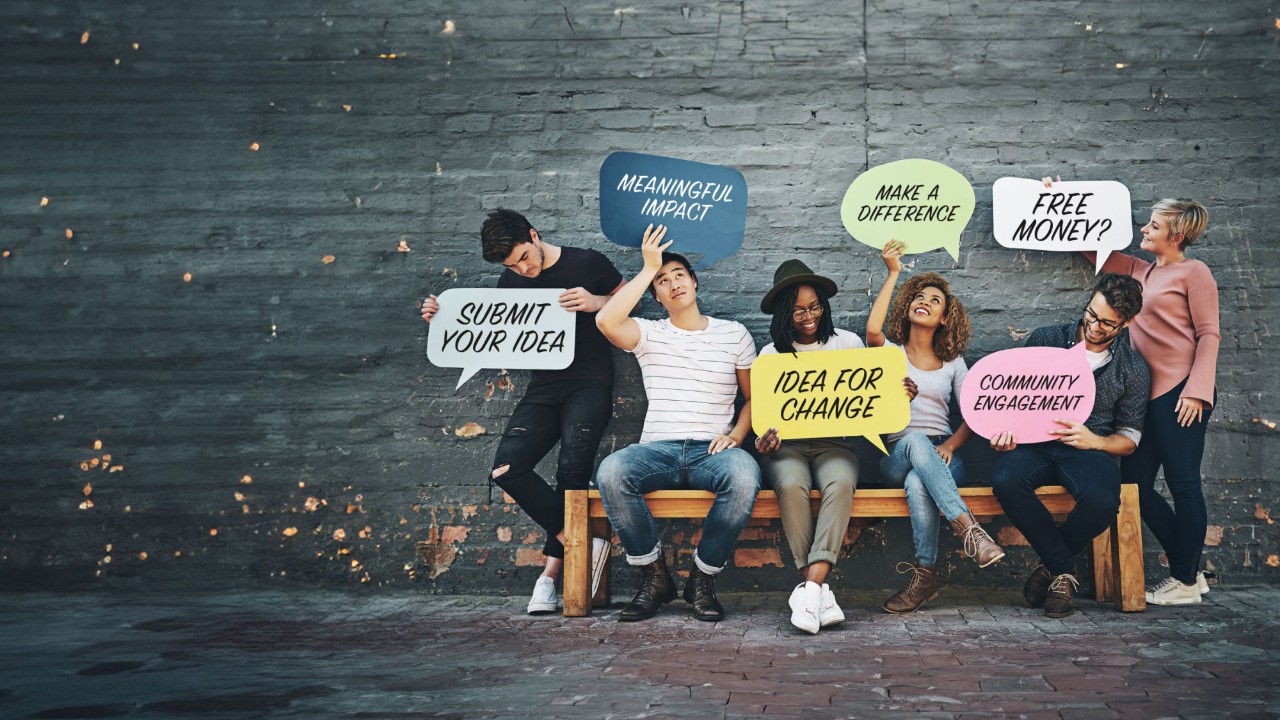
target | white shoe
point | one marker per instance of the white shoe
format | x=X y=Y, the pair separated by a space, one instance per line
x=1201 y=583
x=544 y=596
x=804 y=602
x=599 y=555
x=829 y=613
x=1173 y=592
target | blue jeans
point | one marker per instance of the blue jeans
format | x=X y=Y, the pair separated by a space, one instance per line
x=931 y=484
x=1091 y=476
x=1179 y=450
x=625 y=476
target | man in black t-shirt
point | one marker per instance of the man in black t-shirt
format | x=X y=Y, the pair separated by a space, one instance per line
x=570 y=406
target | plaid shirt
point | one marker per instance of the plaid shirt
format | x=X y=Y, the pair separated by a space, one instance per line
x=1123 y=385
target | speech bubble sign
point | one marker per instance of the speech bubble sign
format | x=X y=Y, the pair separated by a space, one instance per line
x=479 y=328
x=1022 y=390
x=830 y=393
x=923 y=203
x=1068 y=217
x=703 y=206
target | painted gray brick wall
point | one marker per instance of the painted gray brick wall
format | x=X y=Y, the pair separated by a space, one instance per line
x=270 y=417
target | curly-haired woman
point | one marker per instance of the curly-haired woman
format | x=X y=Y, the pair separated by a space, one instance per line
x=932 y=328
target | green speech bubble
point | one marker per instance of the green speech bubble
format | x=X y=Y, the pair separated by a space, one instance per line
x=920 y=202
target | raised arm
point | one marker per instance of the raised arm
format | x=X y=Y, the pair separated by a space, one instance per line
x=892 y=256
x=613 y=319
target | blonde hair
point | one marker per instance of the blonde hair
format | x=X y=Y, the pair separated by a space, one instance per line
x=1187 y=218
x=952 y=339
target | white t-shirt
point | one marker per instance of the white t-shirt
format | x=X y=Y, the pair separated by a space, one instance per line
x=690 y=377
x=1097 y=359
x=842 y=340
x=930 y=411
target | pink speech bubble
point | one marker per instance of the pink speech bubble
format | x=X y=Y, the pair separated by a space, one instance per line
x=1022 y=390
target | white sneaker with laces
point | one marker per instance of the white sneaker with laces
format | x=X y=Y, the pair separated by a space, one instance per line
x=829 y=613
x=600 y=549
x=1173 y=592
x=544 y=596
x=804 y=602
x=1201 y=583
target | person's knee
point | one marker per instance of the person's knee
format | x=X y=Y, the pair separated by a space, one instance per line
x=1099 y=504
x=789 y=483
x=739 y=472
x=1006 y=479
x=612 y=473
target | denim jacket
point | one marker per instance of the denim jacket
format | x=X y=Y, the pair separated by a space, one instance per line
x=1123 y=385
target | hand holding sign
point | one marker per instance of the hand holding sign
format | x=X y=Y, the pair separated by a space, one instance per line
x=478 y=328
x=1062 y=217
x=830 y=393
x=921 y=202
x=1027 y=392
x=704 y=205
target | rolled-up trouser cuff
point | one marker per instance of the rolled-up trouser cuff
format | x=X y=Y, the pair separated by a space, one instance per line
x=705 y=568
x=821 y=556
x=646 y=559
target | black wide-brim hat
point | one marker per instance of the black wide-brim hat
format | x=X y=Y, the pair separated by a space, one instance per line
x=794 y=272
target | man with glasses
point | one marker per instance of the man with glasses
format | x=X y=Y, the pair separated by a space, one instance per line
x=1084 y=458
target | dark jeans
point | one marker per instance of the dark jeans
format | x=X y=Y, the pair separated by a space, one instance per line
x=573 y=413
x=1180 y=529
x=1091 y=476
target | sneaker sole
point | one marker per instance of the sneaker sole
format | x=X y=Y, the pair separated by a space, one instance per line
x=833 y=621
x=1173 y=603
x=908 y=612
x=541 y=609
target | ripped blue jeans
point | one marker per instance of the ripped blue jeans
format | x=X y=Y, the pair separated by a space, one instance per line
x=573 y=413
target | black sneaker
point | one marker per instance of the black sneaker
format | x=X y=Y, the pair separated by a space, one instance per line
x=1059 y=604
x=1036 y=589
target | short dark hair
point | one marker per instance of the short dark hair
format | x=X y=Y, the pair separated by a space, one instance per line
x=668 y=257
x=501 y=233
x=1122 y=292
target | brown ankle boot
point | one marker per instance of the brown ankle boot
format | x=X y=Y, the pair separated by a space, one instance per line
x=977 y=543
x=920 y=589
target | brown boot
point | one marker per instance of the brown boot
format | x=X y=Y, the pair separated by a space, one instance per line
x=977 y=543
x=920 y=589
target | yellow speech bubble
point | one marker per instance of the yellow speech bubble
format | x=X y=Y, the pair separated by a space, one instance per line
x=923 y=203
x=831 y=393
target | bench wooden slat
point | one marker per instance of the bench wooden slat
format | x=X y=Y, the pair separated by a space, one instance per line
x=1117 y=553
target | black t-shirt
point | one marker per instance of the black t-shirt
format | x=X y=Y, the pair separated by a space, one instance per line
x=592 y=353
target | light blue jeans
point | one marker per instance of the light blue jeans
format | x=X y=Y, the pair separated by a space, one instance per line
x=625 y=476
x=931 y=484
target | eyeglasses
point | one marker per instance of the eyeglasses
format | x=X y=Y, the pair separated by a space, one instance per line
x=811 y=311
x=1091 y=317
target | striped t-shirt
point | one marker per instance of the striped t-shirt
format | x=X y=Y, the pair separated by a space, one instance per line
x=690 y=377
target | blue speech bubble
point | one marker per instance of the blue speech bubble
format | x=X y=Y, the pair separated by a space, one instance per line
x=703 y=206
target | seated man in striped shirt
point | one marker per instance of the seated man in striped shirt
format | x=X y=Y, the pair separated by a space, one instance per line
x=693 y=368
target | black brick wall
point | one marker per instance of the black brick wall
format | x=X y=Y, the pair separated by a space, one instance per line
x=308 y=377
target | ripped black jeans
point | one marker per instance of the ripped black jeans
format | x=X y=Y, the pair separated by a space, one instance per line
x=571 y=412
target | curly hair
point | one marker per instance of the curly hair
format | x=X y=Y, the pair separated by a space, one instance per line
x=952 y=339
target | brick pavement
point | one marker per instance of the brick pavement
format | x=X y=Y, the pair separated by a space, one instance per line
x=317 y=655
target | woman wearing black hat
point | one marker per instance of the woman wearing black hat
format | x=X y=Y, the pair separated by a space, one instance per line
x=801 y=313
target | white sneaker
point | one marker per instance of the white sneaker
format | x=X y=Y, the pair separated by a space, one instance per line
x=804 y=602
x=544 y=596
x=1201 y=583
x=1173 y=592
x=829 y=613
x=600 y=549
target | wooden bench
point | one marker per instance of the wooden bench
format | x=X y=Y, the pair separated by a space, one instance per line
x=1117 y=553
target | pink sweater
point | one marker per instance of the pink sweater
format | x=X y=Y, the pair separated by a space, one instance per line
x=1177 y=330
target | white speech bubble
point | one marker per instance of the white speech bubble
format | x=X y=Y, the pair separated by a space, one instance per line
x=522 y=329
x=1090 y=215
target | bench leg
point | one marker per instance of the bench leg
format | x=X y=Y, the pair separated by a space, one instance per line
x=1126 y=553
x=1104 y=577
x=600 y=528
x=577 y=555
